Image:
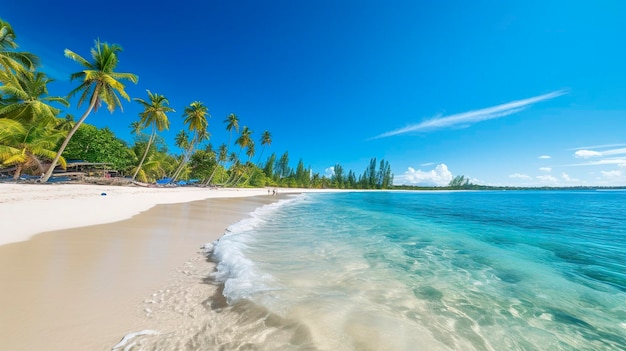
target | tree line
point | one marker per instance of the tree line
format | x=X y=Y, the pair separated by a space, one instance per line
x=35 y=138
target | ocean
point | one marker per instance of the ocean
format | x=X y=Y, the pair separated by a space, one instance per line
x=485 y=270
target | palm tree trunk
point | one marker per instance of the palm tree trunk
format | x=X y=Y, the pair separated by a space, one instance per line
x=179 y=168
x=183 y=162
x=145 y=153
x=92 y=104
x=249 y=176
x=230 y=178
x=18 y=172
x=212 y=174
x=243 y=172
x=258 y=161
x=234 y=176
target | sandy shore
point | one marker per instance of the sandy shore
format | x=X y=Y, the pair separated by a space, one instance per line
x=33 y=209
x=84 y=288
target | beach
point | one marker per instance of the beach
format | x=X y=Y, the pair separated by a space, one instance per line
x=83 y=265
x=350 y=271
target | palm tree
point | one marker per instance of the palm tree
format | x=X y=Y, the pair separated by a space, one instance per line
x=243 y=141
x=26 y=99
x=135 y=128
x=99 y=84
x=154 y=115
x=182 y=140
x=66 y=123
x=222 y=156
x=12 y=61
x=232 y=123
x=23 y=145
x=266 y=139
x=250 y=153
x=234 y=162
x=196 y=120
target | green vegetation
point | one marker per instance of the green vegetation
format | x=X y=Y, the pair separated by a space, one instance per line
x=34 y=138
x=154 y=115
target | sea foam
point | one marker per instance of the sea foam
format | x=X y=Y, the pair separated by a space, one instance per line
x=235 y=270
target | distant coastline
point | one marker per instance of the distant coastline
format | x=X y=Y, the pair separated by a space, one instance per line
x=513 y=188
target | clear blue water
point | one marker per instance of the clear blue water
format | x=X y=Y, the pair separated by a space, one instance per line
x=509 y=270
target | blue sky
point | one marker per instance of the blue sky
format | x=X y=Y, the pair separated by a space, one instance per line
x=506 y=93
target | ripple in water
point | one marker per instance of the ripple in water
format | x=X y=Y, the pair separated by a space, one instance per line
x=435 y=271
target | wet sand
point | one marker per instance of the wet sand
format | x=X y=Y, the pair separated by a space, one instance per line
x=85 y=288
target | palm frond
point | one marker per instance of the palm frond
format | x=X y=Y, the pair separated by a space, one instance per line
x=76 y=57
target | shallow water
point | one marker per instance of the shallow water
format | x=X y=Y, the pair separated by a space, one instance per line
x=426 y=271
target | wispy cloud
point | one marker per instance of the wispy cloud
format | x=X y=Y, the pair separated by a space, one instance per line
x=599 y=158
x=591 y=153
x=519 y=176
x=605 y=146
x=545 y=157
x=610 y=161
x=547 y=178
x=470 y=117
x=611 y=174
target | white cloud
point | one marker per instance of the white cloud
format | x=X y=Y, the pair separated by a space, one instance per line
x=330 y=171
x=608 y=161
x=614 y=152
x=567 y=178
x=547 y=178
x=598 y=146
x=427 y=164
x=611 y=174
x=545 y=157
x=440 y=176
x=586 y=154
x=545 y=169
x=470 y=117
x=519 y=176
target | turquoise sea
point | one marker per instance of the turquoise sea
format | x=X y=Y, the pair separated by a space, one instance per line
x=506 y=270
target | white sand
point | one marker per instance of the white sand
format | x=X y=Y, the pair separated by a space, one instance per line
x=79 y=286
x=29 y=209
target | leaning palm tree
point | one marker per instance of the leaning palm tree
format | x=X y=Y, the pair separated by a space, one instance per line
x=26 y=99
x=250 y=153
x=196 y=120
x=99 y=84
x=232 y=123
x=222 y=156
x=243 y=141
x=154 y=115
x=23 y=146
x=233 y=159
x=181 y=141
x=266 y=139
x=12 y=61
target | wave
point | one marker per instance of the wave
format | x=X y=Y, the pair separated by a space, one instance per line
x=235 y=270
